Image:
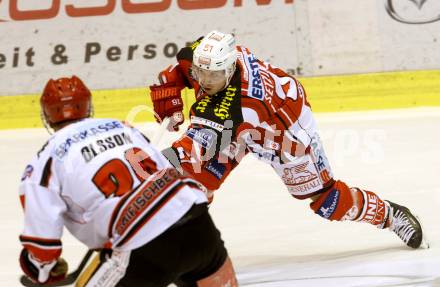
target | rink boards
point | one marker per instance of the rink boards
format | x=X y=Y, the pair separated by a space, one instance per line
x=326 y=94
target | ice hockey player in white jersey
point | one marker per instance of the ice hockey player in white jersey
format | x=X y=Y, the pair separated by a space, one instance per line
x=104 y=182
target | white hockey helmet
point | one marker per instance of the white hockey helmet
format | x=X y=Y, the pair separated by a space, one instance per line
x=216 y=52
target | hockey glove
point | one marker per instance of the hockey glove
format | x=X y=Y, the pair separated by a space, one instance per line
x=42 y=272
x=167 y=102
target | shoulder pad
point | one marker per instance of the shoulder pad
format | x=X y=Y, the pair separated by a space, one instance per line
x=187 y=52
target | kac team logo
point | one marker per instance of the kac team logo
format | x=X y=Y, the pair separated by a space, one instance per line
x=298 y=174
x=413 y=11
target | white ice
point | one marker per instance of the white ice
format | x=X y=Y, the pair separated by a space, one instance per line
x=276 y=240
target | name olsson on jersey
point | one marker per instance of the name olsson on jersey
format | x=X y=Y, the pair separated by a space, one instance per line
x=91 y=150
x=64 y=147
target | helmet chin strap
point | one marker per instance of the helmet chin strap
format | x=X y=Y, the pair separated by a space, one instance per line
x=49 y=129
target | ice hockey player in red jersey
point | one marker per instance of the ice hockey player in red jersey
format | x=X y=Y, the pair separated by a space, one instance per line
x=245 y=105
x=104 y=182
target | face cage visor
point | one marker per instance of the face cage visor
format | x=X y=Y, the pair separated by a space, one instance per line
x=204 y=76
x=209 y=77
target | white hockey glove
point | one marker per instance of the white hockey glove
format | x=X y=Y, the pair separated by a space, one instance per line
x=42 y=272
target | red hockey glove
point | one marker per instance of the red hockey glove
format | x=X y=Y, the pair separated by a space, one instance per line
x=42 y=272
x=167 y=102
x=172 y=74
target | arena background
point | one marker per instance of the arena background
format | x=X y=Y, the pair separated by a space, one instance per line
x=350 y=55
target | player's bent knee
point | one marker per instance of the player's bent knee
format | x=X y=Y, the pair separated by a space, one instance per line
x=338 y=202
x=223 y=277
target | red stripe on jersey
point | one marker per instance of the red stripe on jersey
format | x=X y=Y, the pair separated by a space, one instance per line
x=43 y=255
x=293 y=108
x=242 y=127
x=258 y=106
x=116 y=212
x=40 y=240
x=22 y=200
x=143 y=198
x=277 y=71
x=244 y=49
x=42 y=248
x=138 y=226
x=239 y=48
x=286 y=88
x=302 y=90
x=280 y=122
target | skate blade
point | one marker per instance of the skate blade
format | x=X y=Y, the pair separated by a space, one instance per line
x=425 y=242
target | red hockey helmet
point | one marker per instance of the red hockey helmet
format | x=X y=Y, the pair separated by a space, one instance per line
x=65 y=99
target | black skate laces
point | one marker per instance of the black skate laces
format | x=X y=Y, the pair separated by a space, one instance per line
x=401 y=225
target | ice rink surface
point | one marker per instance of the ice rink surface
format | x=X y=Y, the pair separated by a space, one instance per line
x=276 y=240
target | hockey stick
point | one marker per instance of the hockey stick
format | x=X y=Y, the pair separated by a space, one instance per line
x=160 y=131
x=70 y=278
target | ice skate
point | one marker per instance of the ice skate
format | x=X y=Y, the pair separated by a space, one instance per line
x=406 y=226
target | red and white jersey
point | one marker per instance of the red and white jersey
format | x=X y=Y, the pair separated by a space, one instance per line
x=263 y=110
x=106 y=184
x=275 y=105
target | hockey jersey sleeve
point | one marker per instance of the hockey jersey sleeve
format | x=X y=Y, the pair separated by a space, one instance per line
x=43 y=210
x=275 y=109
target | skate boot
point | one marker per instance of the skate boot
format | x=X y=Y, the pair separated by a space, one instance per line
x=406 y=225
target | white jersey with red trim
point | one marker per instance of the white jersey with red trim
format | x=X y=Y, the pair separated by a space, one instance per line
x=90 y=177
